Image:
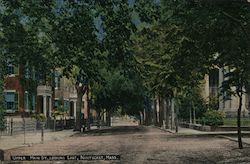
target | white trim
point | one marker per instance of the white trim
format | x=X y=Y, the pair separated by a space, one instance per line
x=9 y=91
x=10 y=111
x=12 y=75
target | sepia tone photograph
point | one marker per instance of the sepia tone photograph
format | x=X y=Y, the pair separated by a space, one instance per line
x=125 y=81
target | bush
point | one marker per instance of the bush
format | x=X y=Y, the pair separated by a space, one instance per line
x=2 y=120
x=213 y=118
x=57 y=113
x=39 y=117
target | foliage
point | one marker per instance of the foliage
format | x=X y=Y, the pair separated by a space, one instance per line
x=213 y=118
x=24 y=37
x=57 y=113
x=118 y=28
x=119 y=92
x=169 y=53
x=2 y=119
x=213 y=103
x=192 y=101
x=39 y=117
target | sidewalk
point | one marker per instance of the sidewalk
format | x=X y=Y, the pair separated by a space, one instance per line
x=15 y=141
x=231 y=135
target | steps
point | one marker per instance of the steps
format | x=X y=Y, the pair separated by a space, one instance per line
x=19 y=124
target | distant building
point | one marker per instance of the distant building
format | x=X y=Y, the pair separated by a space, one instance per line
x=66 y=96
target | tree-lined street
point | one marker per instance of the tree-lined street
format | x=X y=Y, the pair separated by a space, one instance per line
x=153 y=81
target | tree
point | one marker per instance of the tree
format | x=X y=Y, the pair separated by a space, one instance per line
x=75 y=42
x=229 y=28
x=116 y=17
x=25 y=43
x=119 y=92
x=223 y=28
x=2 y=73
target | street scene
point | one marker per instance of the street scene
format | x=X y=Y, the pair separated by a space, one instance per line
x=125 y=81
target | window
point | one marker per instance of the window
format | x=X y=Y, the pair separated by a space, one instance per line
x=10 y=69
x=57 y=80
x=26 y=100
x=56 y=103
x=66 y=105
x=27 y=72
x=33 y=73
x=11 y=101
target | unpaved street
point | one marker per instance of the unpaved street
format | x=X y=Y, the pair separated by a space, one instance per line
x=141 y=145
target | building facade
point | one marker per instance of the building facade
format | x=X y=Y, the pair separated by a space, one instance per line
x=26 y=92
x=228 y=104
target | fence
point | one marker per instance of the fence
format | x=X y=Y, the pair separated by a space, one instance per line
x=18 y=125
x=60 y=124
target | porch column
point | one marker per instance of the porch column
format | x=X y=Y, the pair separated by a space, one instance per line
x=50 y=106
x=221 y=79
x=74 y=108
x=45 y=106
x=206 y=87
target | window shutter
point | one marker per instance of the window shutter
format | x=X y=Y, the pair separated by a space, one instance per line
x=33 y=102
x=16 y=102
x=5 y=102
x=16 y=71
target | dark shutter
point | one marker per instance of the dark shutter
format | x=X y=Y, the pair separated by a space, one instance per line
x=16 y=102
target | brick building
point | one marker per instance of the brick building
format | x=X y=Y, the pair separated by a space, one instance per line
x=26 y=92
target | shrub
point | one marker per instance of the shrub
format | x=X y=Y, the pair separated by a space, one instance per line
x=213 y=118
x=57 y=113
x=39 y=117
x=2 y=120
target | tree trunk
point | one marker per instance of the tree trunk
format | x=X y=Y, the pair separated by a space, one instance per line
x=78 y=112
x=194 y=114
x=144 y=121
x=80 y=92
x=239 y=123
x=172 y=114
x=176 y=117
x=141 y=118
x=190 y=115
x=108 y=118
x=154 y=113
x=161 y=111
x=98 y=118
x=53 y=90
x=167 y=113
x=88 y=110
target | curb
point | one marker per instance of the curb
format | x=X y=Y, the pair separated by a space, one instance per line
x=198 y=134
x=160 y=128
x=232 y=139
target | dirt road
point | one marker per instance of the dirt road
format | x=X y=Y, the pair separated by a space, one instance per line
x=141 y=145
